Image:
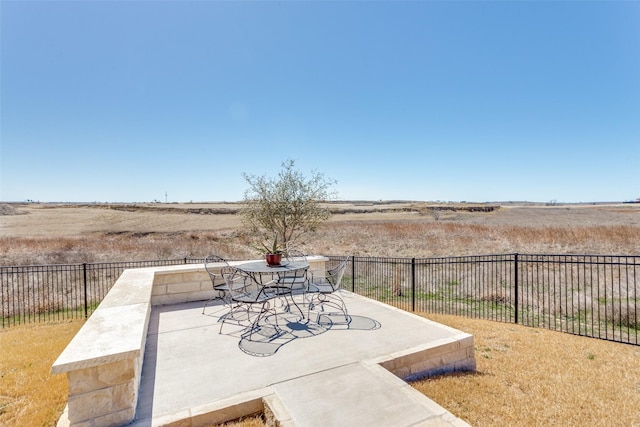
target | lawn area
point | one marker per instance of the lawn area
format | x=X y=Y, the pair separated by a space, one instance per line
x=525 y=376
x=30 y=395
x=537 y=377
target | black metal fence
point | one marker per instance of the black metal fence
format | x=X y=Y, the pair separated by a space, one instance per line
x=589 y=295
x=41 y=293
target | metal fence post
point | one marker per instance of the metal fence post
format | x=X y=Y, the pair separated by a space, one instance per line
x=86 y=298
x=353 y=273
x=515 y=269
x=413 y=284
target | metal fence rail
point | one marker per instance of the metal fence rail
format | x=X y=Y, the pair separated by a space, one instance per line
x=589 y=295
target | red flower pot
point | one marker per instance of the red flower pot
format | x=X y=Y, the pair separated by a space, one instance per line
x=273 y=259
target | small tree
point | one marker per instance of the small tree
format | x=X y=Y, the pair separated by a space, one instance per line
x=284 y=208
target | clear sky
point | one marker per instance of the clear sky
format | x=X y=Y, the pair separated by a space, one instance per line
x=404 y=100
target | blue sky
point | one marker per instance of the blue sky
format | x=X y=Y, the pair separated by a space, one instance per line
x=416 y=100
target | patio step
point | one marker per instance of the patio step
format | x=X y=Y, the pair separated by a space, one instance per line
x=357 y=394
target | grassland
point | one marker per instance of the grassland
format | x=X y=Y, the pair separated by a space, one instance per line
x=46 y=234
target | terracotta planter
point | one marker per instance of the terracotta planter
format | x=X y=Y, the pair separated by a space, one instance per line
x=273 y=259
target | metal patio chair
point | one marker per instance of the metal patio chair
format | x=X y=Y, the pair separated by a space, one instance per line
x=248 y=297
x=220 y=288
x=321 y=293
x=294 y=282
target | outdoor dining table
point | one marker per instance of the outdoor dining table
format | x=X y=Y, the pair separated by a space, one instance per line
x=258 y=270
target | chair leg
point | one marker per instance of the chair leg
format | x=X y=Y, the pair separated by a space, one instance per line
x=224 y=317
x=332 y=300
x=221 y=295
x=341 y=305
x=296 y=305
x=232 y=311
x=256 y=322
x=208 y=302
x=310 y=306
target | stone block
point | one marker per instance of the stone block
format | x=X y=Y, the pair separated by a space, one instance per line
x=168 y=299
x=159 y=290
x=195 y=276
x=168 y=278
x=102 y=376
x=124 y=396
x=101 y=403
x=120 y=418
x=162 y=279
x=87 y=406
x=421 y=362
x=179 y=288
x=207 y=286
x=199 y=296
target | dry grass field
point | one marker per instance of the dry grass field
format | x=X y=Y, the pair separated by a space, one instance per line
x=525 y=376
x=50 y=234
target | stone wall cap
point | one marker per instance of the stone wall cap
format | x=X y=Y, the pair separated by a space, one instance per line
x=189 y=268
x=111 y=334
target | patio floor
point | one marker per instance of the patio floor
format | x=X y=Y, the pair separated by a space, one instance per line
x=311 y=375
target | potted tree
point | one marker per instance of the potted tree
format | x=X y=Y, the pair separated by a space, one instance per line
x=286 y=207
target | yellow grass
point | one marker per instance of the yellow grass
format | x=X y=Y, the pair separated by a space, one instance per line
x=524 y=376
x=537 y=377
x=29 y=394
x=252 y=421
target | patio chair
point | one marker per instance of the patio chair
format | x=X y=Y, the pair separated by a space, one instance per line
x=247 y=296
x=293 y=282
x=220 y=289
x=327 y=292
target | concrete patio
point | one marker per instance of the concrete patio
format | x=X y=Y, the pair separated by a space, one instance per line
x=148 y=356
x=193 y=375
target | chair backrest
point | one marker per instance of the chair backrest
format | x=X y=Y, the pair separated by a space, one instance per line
x=243 y=288
x=293 y=254
x=295 y=279
x=334 y=275
x=237 y=281
x=210 y=260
